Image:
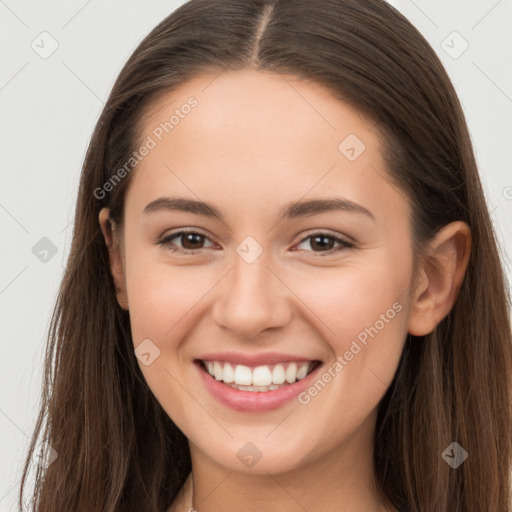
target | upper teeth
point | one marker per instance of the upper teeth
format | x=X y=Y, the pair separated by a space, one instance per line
x=260 y=375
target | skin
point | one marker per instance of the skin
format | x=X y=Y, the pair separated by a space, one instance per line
x=255 y=142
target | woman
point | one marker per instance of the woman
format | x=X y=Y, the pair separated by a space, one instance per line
x=284 y=291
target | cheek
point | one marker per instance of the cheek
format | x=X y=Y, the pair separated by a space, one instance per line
x=161 y=298
x=164 y=302
x=351 y=298
x=361 y=311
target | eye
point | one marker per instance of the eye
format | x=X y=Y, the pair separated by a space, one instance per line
x=325 y=241
x=191 y=241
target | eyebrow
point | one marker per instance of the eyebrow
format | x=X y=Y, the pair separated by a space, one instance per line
x=303 y=208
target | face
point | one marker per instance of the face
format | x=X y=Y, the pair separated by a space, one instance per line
x=301 y=261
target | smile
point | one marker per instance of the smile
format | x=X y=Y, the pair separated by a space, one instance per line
x=262 y=378
x=256 y=388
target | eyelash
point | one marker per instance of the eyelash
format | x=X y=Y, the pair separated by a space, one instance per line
x=345 y=244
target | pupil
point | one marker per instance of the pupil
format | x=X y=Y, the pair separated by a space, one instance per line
x=191 y=237
x=322 y=244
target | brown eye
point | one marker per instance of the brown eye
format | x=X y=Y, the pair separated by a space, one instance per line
x=325 y=242
x=190 y=241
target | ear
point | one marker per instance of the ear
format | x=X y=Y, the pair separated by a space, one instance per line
x=440 y=277
x=116 y=261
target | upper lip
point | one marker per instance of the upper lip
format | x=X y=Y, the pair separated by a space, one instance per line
x=266 y=358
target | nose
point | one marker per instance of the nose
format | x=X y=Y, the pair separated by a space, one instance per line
x=252 y=299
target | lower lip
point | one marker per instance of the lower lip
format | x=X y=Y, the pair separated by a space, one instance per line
x=254 y=401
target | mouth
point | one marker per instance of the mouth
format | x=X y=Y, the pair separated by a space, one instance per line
x=258 y=379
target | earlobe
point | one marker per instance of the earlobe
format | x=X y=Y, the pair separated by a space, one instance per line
x=115 y=257
x=440 y=277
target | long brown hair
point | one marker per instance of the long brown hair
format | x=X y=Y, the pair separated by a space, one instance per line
x=117 y=449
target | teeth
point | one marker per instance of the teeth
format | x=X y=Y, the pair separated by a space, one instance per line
x=278 y=374
x=217 y=370
x=302 y=372
x=229 y=374
x=255 y=388
x=291 y=373
x=243 y=375
x=260 y=378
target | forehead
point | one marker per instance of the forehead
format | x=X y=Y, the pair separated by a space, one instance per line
x=260 y=134
x=257 y=106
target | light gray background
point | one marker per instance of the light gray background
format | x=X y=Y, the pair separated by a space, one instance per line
x=49 y=107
